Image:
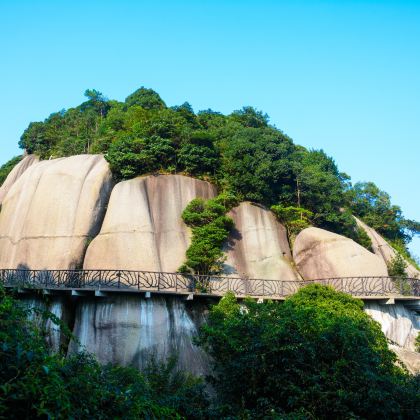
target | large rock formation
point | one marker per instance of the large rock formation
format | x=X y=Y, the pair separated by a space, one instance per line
x=398 y=323
x=15 y=174
x=383 y=249
x=401 y=326
x=321 y=254
x=129 y=330
x=51 y=212
x=143 y=227
x=258 y=247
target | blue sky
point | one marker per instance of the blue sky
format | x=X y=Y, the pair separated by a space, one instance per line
x=339 y=75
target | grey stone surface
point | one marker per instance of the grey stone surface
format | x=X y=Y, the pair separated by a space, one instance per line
x=383 y=249
x=15 y=174
x=52 y=210
x=322 y=254
x=143 y=228
x=129 y=330
x=400 y=324
x=258 y=247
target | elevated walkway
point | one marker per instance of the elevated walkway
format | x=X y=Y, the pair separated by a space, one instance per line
x=103 y=282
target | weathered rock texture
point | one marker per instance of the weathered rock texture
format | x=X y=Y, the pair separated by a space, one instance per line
x=321 y=254
x=398 y=323
x=382 y=249
x=410 y=359
x=52 y=210
x=143 y=227
x=128 y=330
x=15 y=173
x=401 y=326
x=258 y=247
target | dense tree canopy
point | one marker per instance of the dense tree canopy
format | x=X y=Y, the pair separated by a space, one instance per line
x=317 y=355
x=241 y=153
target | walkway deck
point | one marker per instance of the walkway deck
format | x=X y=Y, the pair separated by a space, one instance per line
x=111 y=281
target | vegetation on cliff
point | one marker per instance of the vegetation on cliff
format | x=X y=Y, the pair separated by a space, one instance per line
x=317 y=355
x=35 y=383
x=242 y=153
x=210 y=230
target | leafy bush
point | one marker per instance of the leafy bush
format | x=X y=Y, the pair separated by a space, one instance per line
x=318 y=354
x=38 y=384
x=364 y=239
x=210 y=229
x=397 y=266
x=295 y=219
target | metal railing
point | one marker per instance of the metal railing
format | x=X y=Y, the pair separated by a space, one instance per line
x=126 y=280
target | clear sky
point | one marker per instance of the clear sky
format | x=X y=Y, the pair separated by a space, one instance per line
x=339 y=75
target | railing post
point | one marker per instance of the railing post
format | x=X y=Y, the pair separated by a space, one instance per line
x=119 y=278
x=263 y=291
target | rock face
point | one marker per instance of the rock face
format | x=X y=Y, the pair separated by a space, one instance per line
x=127 y=330
x=15 y=173
x=321 y=254
x=401 y=326
x=410 y=359
x=143 y=229
x=382 y=249
x=258 y=247
x=52 y=210
x=398 y=323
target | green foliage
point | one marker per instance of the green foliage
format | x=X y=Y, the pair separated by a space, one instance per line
x=364 y=239
x=294 y=219
x=375 y=208
x=146 y=98
x=198 y=155
x=37 y=384
x=397 y=266
x=418 y=343
x=317 y=355
x=402 y=249
x=130 y=157
x=7 y=168
x=210 y=229
x=239 y=152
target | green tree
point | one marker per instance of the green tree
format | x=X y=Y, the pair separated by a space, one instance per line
x=210 y=229
x=146 y=98
x=198 y=155
x=317 y=355
x=294 y=219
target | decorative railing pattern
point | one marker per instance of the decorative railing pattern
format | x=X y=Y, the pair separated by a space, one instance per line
x=124 y=280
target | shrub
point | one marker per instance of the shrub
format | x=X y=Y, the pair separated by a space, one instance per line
x=210 y=229
x=318 y=354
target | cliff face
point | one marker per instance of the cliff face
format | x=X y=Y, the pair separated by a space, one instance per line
x=258 y=246
x=320 y=254
x=15 y=173
x=52 y=210
x=383 y=250
x=128 y=330
x=143 y=228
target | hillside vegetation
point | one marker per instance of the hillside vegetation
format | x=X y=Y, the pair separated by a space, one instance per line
x=241 y=153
